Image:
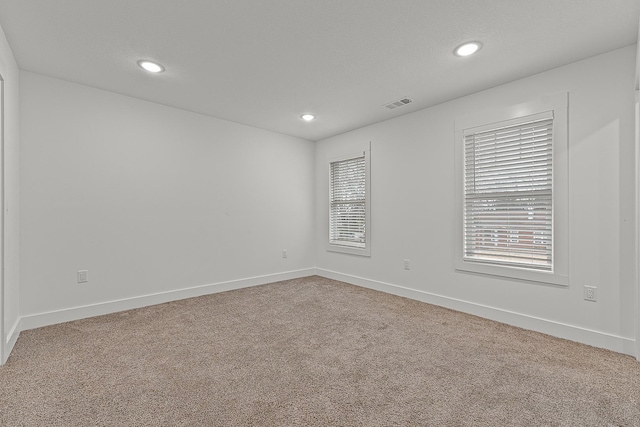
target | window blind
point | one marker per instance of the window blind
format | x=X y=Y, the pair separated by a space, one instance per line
x=347 y=215
x=508 y=193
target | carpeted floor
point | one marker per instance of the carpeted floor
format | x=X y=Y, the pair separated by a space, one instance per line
x=310 y=352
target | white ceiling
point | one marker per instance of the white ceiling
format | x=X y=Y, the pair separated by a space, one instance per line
x=265 y=62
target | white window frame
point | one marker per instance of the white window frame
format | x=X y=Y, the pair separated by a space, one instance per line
x=558 y=104
x=333 y=247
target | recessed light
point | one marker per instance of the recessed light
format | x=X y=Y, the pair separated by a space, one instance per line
x=307 y=117
x=467 y=49
x=150 y=66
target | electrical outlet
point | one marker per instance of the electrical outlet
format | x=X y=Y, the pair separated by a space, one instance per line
x=83 y=276
x=284 y=253
x=590 y=293
x=407 y=264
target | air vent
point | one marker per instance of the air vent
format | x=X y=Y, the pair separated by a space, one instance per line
x=398 y=103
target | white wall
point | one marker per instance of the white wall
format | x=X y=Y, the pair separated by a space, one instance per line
x=413 y=207
x=10 y=298
x=156 y=202
x=637 y=219
x=151 y=200
x=637 y=178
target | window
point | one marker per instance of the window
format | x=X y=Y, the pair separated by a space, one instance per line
x=513 y=191
x=348 y=204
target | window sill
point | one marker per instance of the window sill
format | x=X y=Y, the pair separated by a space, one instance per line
x=348 y=250
x=516 y=273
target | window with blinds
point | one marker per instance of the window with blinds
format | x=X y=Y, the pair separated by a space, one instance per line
x=508 y=193
x=347 y=196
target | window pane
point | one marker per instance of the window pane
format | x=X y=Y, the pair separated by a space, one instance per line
x=347 y=203
x=508 y=194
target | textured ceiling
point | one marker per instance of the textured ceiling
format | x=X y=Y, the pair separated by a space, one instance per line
x=265 y=62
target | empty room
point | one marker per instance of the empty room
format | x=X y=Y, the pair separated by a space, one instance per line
x=320 y=213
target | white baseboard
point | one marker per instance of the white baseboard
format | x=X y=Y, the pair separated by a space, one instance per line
x=12 y=337
x=550 y=327
x=561 y=330
x=38 y=320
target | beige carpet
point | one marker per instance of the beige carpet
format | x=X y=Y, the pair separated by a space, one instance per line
x=310 y=352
